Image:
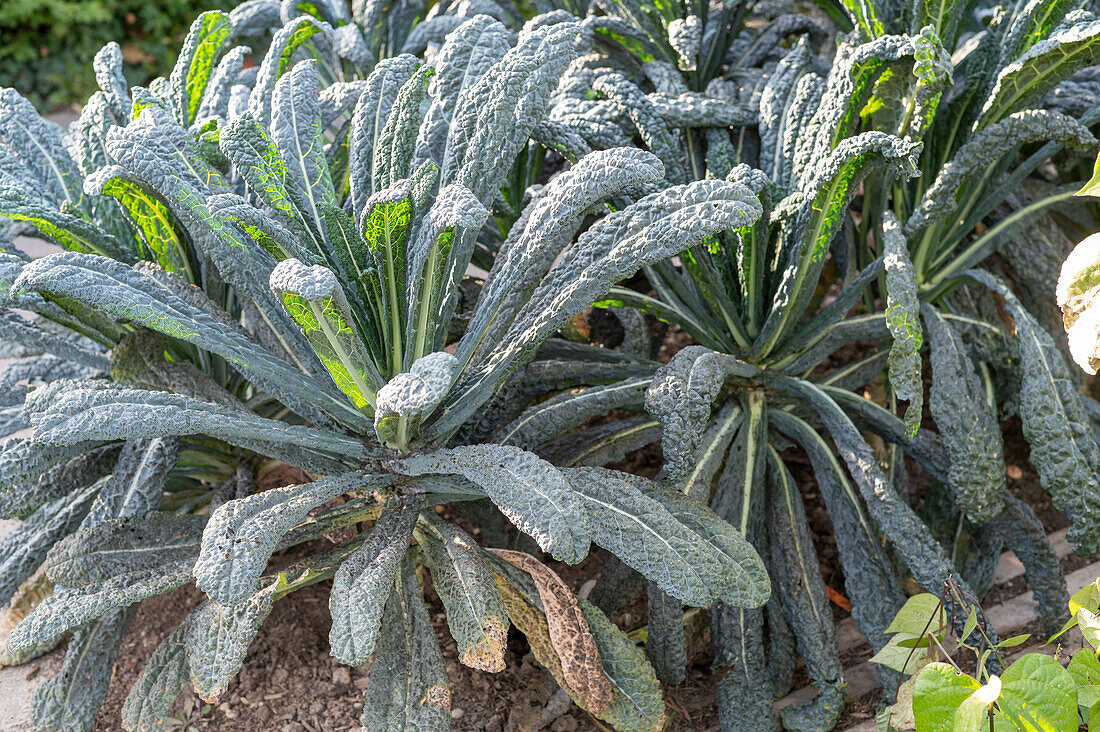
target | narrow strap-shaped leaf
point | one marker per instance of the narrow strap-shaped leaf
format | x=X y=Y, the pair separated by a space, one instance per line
x=819 y=218
x=298 y=33
x=38 y=145
x=201 y=49
x=664 y=645
x=572 y=641
x=67 y=412
x=635 y=699
x=151 y=215
x=113 y=548
x=68 y=608
x=925 y=447
x=108 y=75
x=797 y=578
x=297 y=135
x=1055 y=424
x=137 y=482
x=571 y=409
x=408 y=687
x=372 y=111
x=1041 y=67
x=65 y=229
x=218 y=637
x=51 y=483
x=125 y=294
x=23 y=548
x=683 y=548
x=645 y=117
x=70 y=700
x=463 y=579
x=364 y=582
x=742 y=691
x=253 y=152
x=1024 y=534
x=988 y=146
x=903 y=320
x=910 y=537
x=681 y=397
x=161 y=680
x=393 y=152
x=314 y=299
x=535 y=496
x=869 y=581
x=710 y=454
x=243 y=533
x=219 y=87
x=965 y=419
x=17 y=329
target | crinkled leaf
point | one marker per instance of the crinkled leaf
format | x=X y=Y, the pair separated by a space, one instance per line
x=532 y=493
x=364 y=582
x=903 y=320
x=243 y=533
x=966 y=422
x=462 y=577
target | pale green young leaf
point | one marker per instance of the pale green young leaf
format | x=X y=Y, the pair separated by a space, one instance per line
x=205 y=41
x=411 y=396
x=314 y=299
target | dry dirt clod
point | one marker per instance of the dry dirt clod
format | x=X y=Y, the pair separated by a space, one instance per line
x=341 y=675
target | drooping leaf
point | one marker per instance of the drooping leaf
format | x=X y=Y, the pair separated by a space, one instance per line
x=218 y=637
x=681 y=397
x=150 y=700
x=903 y=319
x=409 y=397
x=682 y=547
x=966 y=422
x=67 y=412
x=243 y=533
x=535 y=496
x=69 y=701
x=408 y=686
x=464 y=580
x=364 y=582
x=1055 y=425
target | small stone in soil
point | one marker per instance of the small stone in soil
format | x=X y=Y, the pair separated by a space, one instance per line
x=341 y=675
x=457 y=713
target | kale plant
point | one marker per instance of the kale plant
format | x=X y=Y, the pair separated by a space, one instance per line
x=756 y=385
x=358 y=228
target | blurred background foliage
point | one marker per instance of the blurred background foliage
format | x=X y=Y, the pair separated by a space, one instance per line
x=46 y=46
